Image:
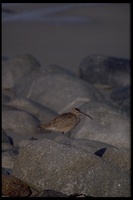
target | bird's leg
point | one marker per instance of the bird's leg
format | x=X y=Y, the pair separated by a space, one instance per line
x=66 y=139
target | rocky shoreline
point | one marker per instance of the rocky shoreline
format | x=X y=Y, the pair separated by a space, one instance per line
x=98 y=162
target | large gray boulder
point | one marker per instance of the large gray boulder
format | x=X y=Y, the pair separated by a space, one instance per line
x=121 y=97
x=109 y=125
x=7 y=142
x=100 y=69
x=6 y=138
x=120 y=157
x=57 y=91
x=7 y=95
x=18 y=121
x=16 y=68
x=45 y=164
x=43 y=113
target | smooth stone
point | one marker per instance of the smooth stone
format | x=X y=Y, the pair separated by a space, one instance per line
x=21 y=140
x=49 y=165
x=19 y=121
x=5 y=99
x=7 y=142
x=55 y=69
x=17 y=67
x=109 y=125
x=121 y=97
x=121 y=93
x=7 y=96
x=6 y=138
x=59 y=92
x=100 y=69
x=43 y=113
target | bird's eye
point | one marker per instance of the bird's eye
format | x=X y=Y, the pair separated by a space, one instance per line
x=77 y=109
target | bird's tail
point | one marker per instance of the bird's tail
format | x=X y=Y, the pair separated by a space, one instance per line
x=41 y=126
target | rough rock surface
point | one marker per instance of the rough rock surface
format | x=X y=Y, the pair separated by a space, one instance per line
x=49 y=193
x=97 y=162
x=46 y=164
x=13 y=187
x=8 y=158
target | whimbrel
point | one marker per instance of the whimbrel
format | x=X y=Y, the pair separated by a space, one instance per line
x=65 y=122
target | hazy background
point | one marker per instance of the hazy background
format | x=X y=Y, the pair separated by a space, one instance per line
x=64 y=33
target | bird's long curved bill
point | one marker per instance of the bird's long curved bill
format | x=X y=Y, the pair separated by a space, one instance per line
x=86 y=115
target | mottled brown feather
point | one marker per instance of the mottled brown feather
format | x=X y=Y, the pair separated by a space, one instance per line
x=62 y=123
x=65 y=122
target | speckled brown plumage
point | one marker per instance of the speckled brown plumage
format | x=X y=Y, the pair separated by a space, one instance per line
x=64 y=122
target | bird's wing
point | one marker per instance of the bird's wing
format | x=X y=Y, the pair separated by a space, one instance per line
x=62 y=120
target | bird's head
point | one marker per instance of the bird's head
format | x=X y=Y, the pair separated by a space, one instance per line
x=77 y=112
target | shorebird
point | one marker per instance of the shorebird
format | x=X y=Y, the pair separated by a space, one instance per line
x=65 y=122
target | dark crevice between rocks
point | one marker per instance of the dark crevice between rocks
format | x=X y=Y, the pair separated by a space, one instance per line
x=100 y=152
